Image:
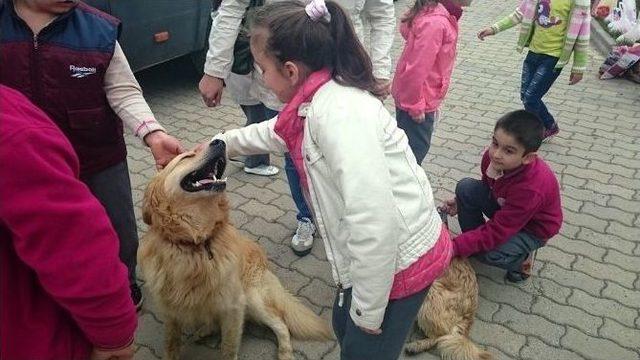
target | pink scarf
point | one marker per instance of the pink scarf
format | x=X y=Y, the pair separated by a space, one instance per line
x=290 y=126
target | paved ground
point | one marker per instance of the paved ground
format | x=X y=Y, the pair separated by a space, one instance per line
x=583 y=301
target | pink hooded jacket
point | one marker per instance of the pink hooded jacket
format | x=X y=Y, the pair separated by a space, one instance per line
x=424 y=69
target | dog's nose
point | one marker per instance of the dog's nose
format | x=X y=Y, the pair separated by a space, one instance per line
x=217 y=144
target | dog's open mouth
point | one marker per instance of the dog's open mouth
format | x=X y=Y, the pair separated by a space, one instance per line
x=209 y=176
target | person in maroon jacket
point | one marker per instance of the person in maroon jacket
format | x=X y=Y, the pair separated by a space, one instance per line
x=519 y=194
x=65 y=57
x=64 y=293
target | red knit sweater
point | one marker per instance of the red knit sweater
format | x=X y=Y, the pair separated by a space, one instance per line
x=62 y=287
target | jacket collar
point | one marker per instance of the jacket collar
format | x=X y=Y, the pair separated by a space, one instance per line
x=54 y=23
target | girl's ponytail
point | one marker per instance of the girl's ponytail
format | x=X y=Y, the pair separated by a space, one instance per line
x=353 y=65
x=318 y=43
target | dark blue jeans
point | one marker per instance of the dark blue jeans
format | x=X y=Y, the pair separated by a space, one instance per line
x=355 y=344
x=296 y=190
x=259 y=113
x=538 y=74
x=419 y=135
x=475 y=201
x=112 y=188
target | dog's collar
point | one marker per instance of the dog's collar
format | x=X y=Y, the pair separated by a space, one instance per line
x=206 y=244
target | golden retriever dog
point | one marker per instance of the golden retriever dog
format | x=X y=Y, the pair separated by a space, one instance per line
x=201 y=272
x=447 y=314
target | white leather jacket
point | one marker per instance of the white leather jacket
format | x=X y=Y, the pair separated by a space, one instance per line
x=248 y=89
x=373 y=204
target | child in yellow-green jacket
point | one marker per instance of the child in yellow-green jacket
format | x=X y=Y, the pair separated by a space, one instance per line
x=552 y=30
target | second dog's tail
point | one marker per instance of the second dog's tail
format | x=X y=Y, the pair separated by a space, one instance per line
x=452 y=347
x=303 y=323
x=459 y=347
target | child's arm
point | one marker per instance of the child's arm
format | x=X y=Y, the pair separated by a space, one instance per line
x=254 y=139
x=355 y=156
x=510 y=20
x=422 y=49
x=125 y=98
x=581 y=48
x=519 y=208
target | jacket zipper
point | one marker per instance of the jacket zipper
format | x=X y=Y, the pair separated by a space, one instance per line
x=339 y=284
x=35 y=72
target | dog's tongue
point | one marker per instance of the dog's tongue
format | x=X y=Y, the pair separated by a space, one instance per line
x=206 y=181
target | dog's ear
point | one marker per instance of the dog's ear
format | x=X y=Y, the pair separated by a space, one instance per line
x=146 y=215
x=149 y=201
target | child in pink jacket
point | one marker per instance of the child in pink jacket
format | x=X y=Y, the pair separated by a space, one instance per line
x=424 y=70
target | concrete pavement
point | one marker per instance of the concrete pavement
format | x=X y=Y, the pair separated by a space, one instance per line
x=584 y=300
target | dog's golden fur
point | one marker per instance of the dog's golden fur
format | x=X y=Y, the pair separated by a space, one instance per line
x=447 y=314
x=202 y=272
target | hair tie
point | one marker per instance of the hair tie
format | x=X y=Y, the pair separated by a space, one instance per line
x=317 y=9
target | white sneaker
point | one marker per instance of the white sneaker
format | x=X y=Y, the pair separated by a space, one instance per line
x=262 y=170
x=302 y=241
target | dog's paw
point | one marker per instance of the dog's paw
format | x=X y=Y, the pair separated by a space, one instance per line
x=286 y=356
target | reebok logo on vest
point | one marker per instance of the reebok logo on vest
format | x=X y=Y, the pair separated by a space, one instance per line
x=79 y=72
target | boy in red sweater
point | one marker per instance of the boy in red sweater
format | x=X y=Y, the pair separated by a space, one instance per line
x=518 y=193
x=64 y=291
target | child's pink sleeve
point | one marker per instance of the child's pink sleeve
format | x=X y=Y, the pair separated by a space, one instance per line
x=423 y=45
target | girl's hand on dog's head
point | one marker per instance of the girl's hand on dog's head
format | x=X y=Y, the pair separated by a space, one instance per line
x=200 y=147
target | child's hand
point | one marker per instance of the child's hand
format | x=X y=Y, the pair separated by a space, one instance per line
x=575 y=78
x=485 y=32
x=450 y=207
x=385 y=88
x=418 y=118
x=370 y=331
x=211 y=89
x=163 y=147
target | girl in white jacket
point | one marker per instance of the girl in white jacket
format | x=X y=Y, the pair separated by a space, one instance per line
x=372 y=203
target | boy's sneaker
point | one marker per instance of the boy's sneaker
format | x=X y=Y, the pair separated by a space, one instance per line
x=136 y=296
x=302 y=241
x=549 y=133
x=262 y=170
x=525 y=270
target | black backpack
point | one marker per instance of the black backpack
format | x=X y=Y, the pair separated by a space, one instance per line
x=242 y=58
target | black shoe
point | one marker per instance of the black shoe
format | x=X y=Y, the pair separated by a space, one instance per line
x=516 y=277
x=136 y=296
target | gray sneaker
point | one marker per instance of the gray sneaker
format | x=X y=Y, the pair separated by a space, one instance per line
x=302 y=241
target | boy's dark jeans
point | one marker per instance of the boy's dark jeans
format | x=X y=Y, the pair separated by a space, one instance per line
x=355 y=344
x=474 y=200
x=538 y=74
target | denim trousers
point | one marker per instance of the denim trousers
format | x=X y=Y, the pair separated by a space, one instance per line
x=538 y=75
x=356 y=344
x=296 y=189
x=259 y=113
x=419 y=135
x=475 y=201
x=113 y=189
